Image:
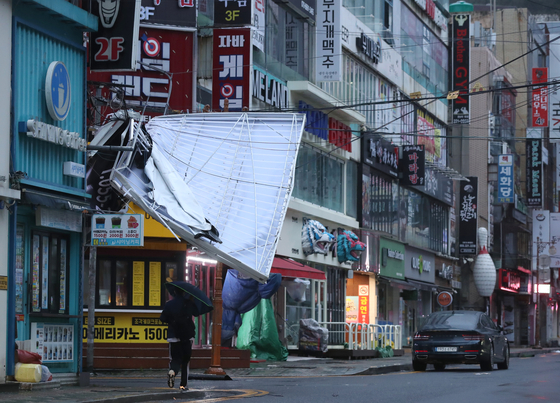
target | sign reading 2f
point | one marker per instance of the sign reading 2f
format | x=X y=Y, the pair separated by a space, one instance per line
x=109 y=49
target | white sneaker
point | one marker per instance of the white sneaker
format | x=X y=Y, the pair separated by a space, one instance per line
x=171 y=378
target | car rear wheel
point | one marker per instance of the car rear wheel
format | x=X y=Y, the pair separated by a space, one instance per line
x=419 y=366
x=505 y=363
x=488 y=364
x=439 y=367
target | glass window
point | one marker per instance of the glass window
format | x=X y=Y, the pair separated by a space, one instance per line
x=288 y=58
x=49 y=273
x=319 y=179
x=137 y=283
x=121 y=296
x=451 y=320
x=104 y=282
x=170 y=275
x=352 y=189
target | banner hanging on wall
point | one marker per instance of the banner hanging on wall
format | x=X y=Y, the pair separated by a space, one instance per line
x=505 y=178
x=461 y=68
x=329 y=40
x=468 y=216
x=231 y=69
x=539 y=98
x=533 y=160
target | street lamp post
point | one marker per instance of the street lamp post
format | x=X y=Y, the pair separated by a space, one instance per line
x=537 y=324
x=540 y=245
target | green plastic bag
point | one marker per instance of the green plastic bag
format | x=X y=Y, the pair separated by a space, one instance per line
x=258 y=333
x=385 y=352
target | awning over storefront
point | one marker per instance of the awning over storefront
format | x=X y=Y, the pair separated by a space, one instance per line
x=292 y=269
x=54 y=201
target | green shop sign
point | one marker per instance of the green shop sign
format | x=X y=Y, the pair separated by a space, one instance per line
x=392 y=259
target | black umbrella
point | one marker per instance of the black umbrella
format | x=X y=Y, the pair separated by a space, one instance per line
x=200 y=300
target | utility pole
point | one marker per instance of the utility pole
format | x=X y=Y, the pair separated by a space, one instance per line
x=537 y=310
x=215 y=361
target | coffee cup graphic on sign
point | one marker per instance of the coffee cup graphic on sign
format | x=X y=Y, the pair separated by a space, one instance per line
x=116 y=222
x=99 y=222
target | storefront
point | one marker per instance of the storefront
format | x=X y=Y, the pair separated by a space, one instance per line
x=392 y=281
x=419 y=270
x=513 y=300
x=325 y=298
x=130 y=295
x=48 y=156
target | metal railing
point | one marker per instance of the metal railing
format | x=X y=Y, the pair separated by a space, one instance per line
x=364 y=336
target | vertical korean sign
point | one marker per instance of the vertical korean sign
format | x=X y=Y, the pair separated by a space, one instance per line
x=113 y=46
x=461 y=68
x=231 y=72
x=554 y=94
x=413 y=165
x=168 y=51
x=329 y=40
x=539 y=98
x=363 y=303
x=505 y=178
x=533 y=160
x=468 y=216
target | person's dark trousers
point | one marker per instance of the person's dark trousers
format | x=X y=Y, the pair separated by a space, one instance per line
x=180 y=357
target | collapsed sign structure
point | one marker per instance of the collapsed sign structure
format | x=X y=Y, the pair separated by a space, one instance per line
x=221 y=181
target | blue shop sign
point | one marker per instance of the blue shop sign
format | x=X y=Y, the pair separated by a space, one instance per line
x=505 y=179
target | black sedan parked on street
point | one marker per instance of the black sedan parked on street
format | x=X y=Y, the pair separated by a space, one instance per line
x=460 y=337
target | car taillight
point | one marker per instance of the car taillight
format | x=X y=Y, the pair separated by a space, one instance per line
x=473 y=337
x=420 y=336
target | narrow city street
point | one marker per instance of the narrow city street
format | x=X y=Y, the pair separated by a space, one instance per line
x=527 y=380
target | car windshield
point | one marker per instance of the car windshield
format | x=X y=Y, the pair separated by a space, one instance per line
x=451 y=320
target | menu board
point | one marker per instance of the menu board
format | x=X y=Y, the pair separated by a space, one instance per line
x=117 y=230
x=155 y=283
x=54 y=342
x=138 y=283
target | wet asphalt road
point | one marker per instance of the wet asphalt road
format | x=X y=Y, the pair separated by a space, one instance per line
x=534 y=379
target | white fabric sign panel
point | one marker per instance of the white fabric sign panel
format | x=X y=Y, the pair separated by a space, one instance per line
x=329 y=40
x=230 y=171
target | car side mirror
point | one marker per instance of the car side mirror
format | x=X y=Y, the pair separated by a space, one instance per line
x=508 y=331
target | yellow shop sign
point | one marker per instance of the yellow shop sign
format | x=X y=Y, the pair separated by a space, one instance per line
x=127 y=328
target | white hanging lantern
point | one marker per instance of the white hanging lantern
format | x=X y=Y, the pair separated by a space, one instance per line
x=484 y=271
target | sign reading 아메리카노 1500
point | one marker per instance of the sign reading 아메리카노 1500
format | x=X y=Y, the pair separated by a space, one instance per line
x=468 y=216
x=461 y=68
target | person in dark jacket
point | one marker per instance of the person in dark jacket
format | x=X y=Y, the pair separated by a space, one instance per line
x=178 y=313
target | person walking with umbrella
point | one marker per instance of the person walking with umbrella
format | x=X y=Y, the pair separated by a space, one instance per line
x=187 y=301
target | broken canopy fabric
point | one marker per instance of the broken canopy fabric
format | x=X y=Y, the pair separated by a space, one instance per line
x=221 y=181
